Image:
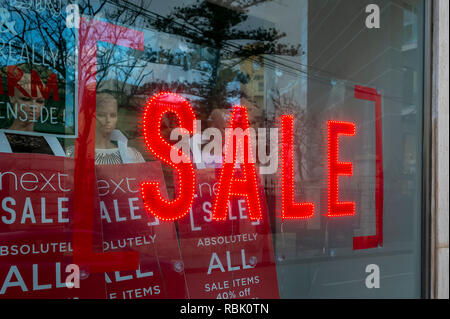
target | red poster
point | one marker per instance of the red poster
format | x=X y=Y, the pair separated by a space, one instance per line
x=226 y=259
x=126 y=226
x=36 y=229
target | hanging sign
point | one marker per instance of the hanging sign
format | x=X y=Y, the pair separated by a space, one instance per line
x=127 y=227
x=226 y=259
x=36 y=231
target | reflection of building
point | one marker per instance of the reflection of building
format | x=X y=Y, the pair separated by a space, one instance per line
x=253 y=69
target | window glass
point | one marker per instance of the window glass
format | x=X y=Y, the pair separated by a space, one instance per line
x=100 y=188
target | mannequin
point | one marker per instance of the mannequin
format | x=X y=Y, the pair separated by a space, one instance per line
x=106 y=151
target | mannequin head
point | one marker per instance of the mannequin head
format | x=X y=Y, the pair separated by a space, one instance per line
x=106 y=114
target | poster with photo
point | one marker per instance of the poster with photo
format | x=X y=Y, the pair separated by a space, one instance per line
x=37 y=69
x=167 y=62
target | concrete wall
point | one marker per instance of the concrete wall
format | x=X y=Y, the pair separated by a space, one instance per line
x=440 y=209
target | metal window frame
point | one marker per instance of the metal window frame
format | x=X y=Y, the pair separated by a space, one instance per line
x=427 y=176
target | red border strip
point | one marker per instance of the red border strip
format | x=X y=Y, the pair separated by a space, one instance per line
x=365 y=242
x=90 y=33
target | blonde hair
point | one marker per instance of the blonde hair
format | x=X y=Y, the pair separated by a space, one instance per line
x=105 y=96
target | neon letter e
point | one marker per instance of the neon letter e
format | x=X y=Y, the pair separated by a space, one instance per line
x=336 y=168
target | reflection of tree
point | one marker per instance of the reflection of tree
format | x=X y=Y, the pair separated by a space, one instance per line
x=307 y=136
x=45 y=30
x=114 y=62
x=217 y=25
x=41 y=31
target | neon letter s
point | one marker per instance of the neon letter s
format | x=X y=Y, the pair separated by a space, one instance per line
x=156 y=108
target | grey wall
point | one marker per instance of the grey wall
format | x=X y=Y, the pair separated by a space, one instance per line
x=440 y=211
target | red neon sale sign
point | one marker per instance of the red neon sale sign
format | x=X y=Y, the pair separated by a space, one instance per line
x=241 y=180
x=233 y=182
